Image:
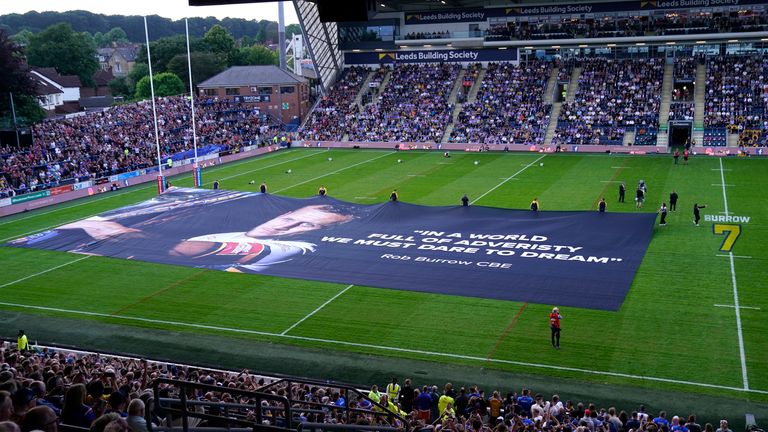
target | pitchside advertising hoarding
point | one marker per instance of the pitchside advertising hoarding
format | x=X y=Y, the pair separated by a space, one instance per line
x=431 y=56
x=583 y=259
x=482 y=14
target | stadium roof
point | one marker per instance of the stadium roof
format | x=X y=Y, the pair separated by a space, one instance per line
x=240 y=76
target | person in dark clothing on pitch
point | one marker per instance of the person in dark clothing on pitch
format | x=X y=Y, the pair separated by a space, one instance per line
x=696 y=213
x=622 y=192
x=393 y=196
x=673 y=201
x=465 y=201
x=601 y=205
x=263 y=187
x=663 y=213
x=535 y=205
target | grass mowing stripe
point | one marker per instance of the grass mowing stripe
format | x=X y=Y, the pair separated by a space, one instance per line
x=316 y=310
x=508 y=179
x=506 y=331
x=44 y=272
x=334 y=172
x=386 y=348
x=608 y=183
x=737 y=308
x=160 y=291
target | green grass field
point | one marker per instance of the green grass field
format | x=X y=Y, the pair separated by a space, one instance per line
x=668 y=335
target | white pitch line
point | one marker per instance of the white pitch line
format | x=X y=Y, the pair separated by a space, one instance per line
x=508 y=179
x=265 y=167
x=316 y=310
x=135 y=190
x=333 y=172
x=742 y=307
x=744 y=375
x=384 y=348
x=43 y=272
x=735 y=256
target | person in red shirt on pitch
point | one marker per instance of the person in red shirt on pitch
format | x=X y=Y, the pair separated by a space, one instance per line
x=554 y=324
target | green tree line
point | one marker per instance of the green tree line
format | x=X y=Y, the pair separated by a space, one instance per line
x=83 y=21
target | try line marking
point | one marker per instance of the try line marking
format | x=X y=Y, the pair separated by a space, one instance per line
x=508 y=179
x=316 y=310
x=736 y=307
x=382 y=347
x=43 y=272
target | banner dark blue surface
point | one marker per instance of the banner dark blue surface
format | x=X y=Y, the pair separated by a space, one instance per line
x=583 y=259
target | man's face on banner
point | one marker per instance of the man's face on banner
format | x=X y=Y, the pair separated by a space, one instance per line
x=307 y=218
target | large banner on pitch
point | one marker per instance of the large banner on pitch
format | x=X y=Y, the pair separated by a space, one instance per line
x=584 y=259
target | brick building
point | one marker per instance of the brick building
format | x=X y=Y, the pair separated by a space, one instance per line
x=273 y=90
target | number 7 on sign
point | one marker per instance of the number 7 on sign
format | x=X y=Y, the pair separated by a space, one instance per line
x=732 y=232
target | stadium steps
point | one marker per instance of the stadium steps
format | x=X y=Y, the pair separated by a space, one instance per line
x=472 y=96
x=662 y=139
x=549 y=93
x=733 y=139
x=666 y=94
x=363 y=90
x=552 y=127
x=457 y=86
x=573 y=86
x=629 y=138
x=698 y=98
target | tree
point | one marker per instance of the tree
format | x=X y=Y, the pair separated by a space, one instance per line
x=166 y=84
x=292 y=29
x=22 y=37
x=14 y=79
x=261 y=55
x=218 y=40
x=204 y=66
x=139 y=71
x=69 y=52
x=121 y=86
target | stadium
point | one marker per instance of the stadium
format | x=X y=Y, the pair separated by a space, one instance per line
x=449 y=215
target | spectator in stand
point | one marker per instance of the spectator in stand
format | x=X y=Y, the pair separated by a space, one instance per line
x=508 y=108
x=121 y=138
x=75 y=412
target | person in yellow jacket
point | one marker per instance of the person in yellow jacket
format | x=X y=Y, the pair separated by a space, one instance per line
x=393 y=390
x=444 y=401
x=448 y=412
x=374 y=394
x=21 y=341
x=391 y=407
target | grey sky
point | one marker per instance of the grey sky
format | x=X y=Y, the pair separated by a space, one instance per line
x=174 y=9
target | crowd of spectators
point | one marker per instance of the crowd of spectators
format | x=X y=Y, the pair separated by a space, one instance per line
x=428 y=35
x=412 y=108
x=613 y=96
x=737 y=92
x=41 y=389
x=509 y=108
x=122 y=138
x=626 y=26
x=685 y=67
x=682 y=111
x=334 y=113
